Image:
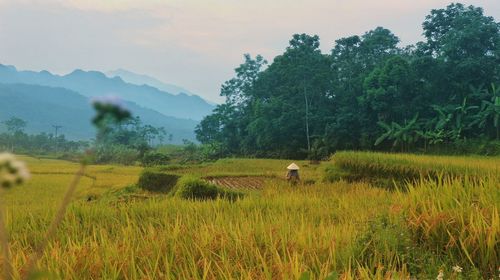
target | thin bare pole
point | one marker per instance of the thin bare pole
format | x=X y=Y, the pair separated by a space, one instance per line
x=56 y=127
x=307 y=118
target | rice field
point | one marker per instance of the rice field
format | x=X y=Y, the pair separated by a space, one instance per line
x=321 y=230
x=239 y=183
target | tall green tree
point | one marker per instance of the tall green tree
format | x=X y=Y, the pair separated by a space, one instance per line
x=15 y=125
x=467 y=43
x=292 y=96
x=367 y=91
x=353 y=59
x=385 y=88
x=226 y=126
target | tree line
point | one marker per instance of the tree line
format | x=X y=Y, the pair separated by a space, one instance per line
x=122 y=142
x=368 y=93
x=15 y=139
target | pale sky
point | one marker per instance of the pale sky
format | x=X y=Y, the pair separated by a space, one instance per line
x=195 y=44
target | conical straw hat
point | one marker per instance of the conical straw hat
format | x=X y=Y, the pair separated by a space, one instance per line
x=293 y=166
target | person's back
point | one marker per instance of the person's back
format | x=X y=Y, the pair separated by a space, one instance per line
x=293 y=173
x=293 y=176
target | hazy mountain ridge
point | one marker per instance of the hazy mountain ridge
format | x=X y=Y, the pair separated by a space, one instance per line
x=140 y=79
x=94 y=83
x=44 y=106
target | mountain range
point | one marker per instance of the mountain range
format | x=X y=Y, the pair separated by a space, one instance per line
x=44 y=99
x=94 y=84
x=139 y=79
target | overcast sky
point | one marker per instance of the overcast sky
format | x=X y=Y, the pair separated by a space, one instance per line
x=191 y=43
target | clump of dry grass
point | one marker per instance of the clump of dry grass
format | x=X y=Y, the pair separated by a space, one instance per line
x=401 y=167
x=457 y=218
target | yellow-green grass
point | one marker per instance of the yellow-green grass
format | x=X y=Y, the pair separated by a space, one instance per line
x=456 y=218
x=278 y=234
x=50 y=179
x=407 y=166
x=349 y=230
x=247 y=167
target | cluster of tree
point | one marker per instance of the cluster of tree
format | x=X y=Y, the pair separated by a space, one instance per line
x=126 y=141
x=368 y=93
x=16 y=140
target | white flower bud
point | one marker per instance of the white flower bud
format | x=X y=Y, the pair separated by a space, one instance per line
x=12 y=171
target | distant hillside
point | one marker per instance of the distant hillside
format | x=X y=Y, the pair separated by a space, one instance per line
x=93 y=83
x=139 y=79
x=43 y=106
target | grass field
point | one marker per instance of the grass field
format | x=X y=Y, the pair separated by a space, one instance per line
x=334 y=229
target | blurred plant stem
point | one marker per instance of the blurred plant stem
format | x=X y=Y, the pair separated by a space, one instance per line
x=37 y=254
x=4 y=243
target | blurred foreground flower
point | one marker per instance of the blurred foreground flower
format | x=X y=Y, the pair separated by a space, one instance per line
x=109 y=108
x=12 y=171
x=457 y=269
x=440 y=275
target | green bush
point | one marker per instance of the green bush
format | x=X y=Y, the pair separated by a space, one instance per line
x=156 y=181
x=154 y=159
x=190 y=187
x=483 y=147
x=117 y=154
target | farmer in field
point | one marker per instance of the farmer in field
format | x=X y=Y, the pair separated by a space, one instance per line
x=292 y=175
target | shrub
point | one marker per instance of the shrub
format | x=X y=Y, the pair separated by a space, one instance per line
x=155 y=158
x=190 y=187
x=156 y=181
x=470 y=146
x=194 y=188
x=116 y=154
